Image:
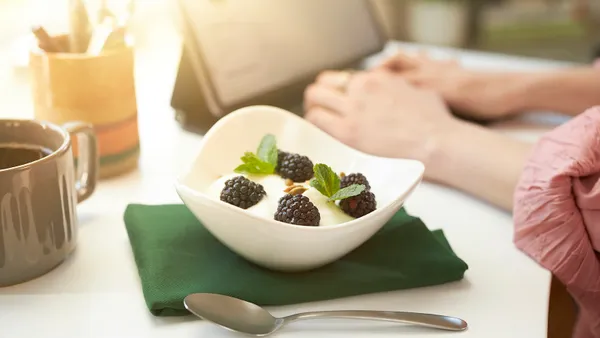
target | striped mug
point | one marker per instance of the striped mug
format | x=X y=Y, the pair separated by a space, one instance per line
x=97 y=89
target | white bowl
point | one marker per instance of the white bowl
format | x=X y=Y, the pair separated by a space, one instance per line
x=276 y=245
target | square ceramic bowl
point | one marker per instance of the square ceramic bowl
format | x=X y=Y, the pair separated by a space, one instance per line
x=277 y=245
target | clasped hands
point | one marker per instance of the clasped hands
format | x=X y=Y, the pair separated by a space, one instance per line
x=400 y=108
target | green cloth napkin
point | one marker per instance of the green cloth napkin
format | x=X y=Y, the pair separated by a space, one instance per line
x=176 y=256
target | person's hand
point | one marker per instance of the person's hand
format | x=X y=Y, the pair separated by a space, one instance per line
x=474 y=94
x=378 y=113
x=404 y=62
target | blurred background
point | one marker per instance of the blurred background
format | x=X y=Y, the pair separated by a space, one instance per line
x=566 y=30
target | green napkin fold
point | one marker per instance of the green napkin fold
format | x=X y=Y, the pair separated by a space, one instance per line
x=176 y=256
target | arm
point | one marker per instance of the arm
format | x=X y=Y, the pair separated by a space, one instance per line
x=376 y=115
x=478 y=161
x=489 y=95
x=568 y=91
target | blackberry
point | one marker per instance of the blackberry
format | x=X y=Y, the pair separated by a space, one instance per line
x=298 y=210
x=242 y=192
x=296 y=167
x=360 y=205
x=280 y=156
x=355 y=178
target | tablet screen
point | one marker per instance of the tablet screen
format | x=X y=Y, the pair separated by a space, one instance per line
x=250 y=47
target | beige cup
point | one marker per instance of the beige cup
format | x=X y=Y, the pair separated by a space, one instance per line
x=97 y=89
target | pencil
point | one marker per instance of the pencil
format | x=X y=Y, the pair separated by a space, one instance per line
x=80 y=28
x=45 y=42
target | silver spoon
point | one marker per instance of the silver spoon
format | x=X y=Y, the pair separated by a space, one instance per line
x=245 y=317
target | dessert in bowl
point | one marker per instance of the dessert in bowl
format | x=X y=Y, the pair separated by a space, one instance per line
x=285 y=195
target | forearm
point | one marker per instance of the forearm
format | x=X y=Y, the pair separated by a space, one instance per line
x=566 y=91
x=480 y=162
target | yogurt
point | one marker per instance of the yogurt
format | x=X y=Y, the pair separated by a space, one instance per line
x=274 y=186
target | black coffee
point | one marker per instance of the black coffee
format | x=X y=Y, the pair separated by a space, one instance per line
x=16 y=155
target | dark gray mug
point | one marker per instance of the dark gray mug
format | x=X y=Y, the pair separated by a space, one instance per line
x=38 y=220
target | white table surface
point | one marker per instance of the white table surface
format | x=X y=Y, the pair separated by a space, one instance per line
x=96 y=292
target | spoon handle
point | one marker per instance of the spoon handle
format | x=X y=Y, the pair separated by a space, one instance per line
x=423 y=319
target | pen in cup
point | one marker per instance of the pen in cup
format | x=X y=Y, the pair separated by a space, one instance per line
x=80 y=27
x=45 y=42
x=100 y=36
x=104 y=12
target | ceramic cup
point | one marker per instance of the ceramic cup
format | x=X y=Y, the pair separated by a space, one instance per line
x=38 y=221
x=98 y=89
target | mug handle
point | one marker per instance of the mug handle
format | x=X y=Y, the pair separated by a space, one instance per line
x=88 y=164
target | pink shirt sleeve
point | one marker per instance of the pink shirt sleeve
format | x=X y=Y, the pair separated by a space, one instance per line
x=557 y=212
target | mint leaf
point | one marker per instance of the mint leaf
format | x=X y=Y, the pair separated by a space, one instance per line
x=267 y=150
x=317 y=185
x=326 y=181
x=353 y=190
x=252 y=164
x=264 y=161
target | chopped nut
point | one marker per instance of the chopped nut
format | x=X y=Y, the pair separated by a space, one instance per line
x=292 y=187
x=297 y=190
x=289 y=182
x=288 y=189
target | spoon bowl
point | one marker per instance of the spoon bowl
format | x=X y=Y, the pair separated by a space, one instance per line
x=232 y=313
x=245 y=317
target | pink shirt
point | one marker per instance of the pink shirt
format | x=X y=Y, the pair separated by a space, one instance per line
x=557 y=212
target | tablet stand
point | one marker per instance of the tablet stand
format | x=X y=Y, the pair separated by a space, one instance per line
x=190 y=107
